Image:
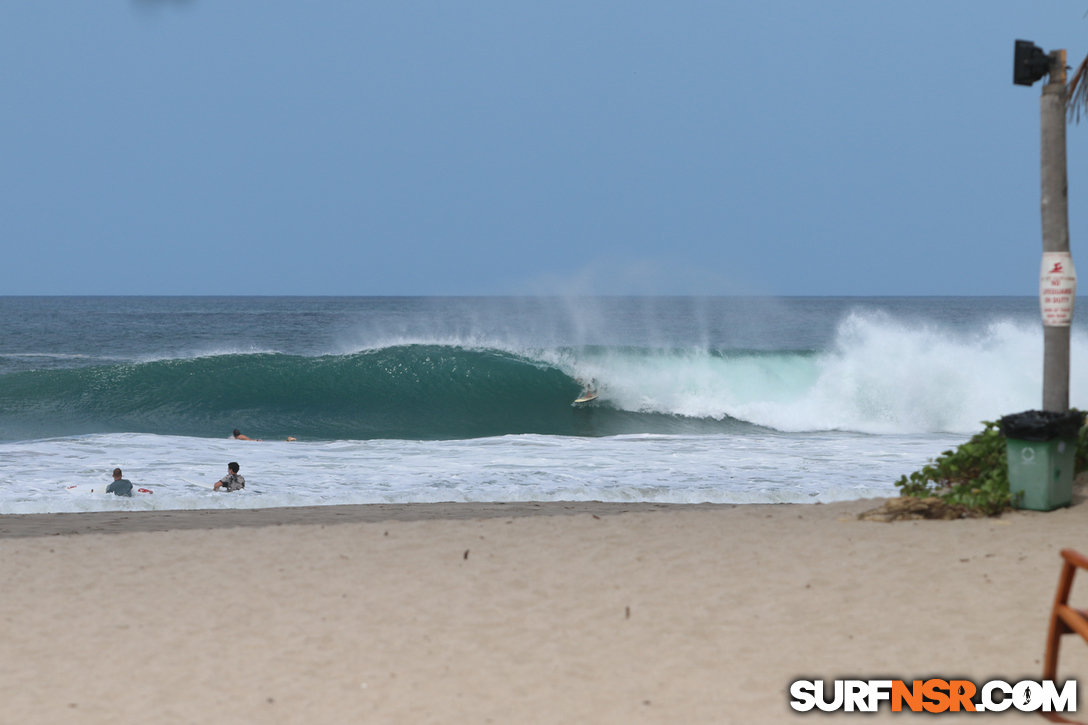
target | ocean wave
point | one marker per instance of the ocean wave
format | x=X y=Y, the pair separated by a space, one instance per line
x=881 y=376
x=407 y=392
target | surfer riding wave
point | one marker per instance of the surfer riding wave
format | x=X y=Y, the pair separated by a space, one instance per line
x=589 y=391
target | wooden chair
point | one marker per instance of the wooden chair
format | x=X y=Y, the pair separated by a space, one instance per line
x=1064 y=620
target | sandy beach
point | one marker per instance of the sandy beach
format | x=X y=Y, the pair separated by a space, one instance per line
x=511 y=613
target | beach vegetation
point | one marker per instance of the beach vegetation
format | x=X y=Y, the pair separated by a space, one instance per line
x=975 y=476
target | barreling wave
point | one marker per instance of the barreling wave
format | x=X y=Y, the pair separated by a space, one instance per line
x=881 y=376
x=422 y=392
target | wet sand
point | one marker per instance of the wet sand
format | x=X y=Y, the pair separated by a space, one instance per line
x=16 y=525
x=512 y=613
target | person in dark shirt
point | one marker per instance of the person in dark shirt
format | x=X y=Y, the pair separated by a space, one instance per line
x=232 y=481
x=120 y=486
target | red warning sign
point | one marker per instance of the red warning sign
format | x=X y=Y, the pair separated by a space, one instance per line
x=1057 y=289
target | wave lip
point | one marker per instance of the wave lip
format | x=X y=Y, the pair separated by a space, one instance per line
x=407 y=391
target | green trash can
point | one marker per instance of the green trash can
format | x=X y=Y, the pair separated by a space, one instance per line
x=1042 y=450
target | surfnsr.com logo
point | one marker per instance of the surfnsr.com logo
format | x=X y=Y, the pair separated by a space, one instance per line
x=933 y=695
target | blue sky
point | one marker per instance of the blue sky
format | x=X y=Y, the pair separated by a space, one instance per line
x=472 y=148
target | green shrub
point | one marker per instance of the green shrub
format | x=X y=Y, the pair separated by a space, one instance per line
x=976 y=474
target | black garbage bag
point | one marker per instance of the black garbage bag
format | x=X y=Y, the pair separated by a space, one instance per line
x=1042 y=425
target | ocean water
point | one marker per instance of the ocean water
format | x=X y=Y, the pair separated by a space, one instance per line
x=731 y=400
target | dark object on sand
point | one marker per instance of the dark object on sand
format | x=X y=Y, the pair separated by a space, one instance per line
x=909 y=508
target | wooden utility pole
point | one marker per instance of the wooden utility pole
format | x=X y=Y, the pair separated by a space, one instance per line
x=1057 y=270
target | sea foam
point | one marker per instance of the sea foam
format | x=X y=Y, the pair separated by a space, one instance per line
x=769 y=468
x=881 y=376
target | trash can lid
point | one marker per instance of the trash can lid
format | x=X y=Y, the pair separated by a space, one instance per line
x=1042 y=425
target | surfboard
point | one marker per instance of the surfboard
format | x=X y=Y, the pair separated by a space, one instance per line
x=84 y=488
x=211 y=485
x=586 y=398
x=88 y=488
